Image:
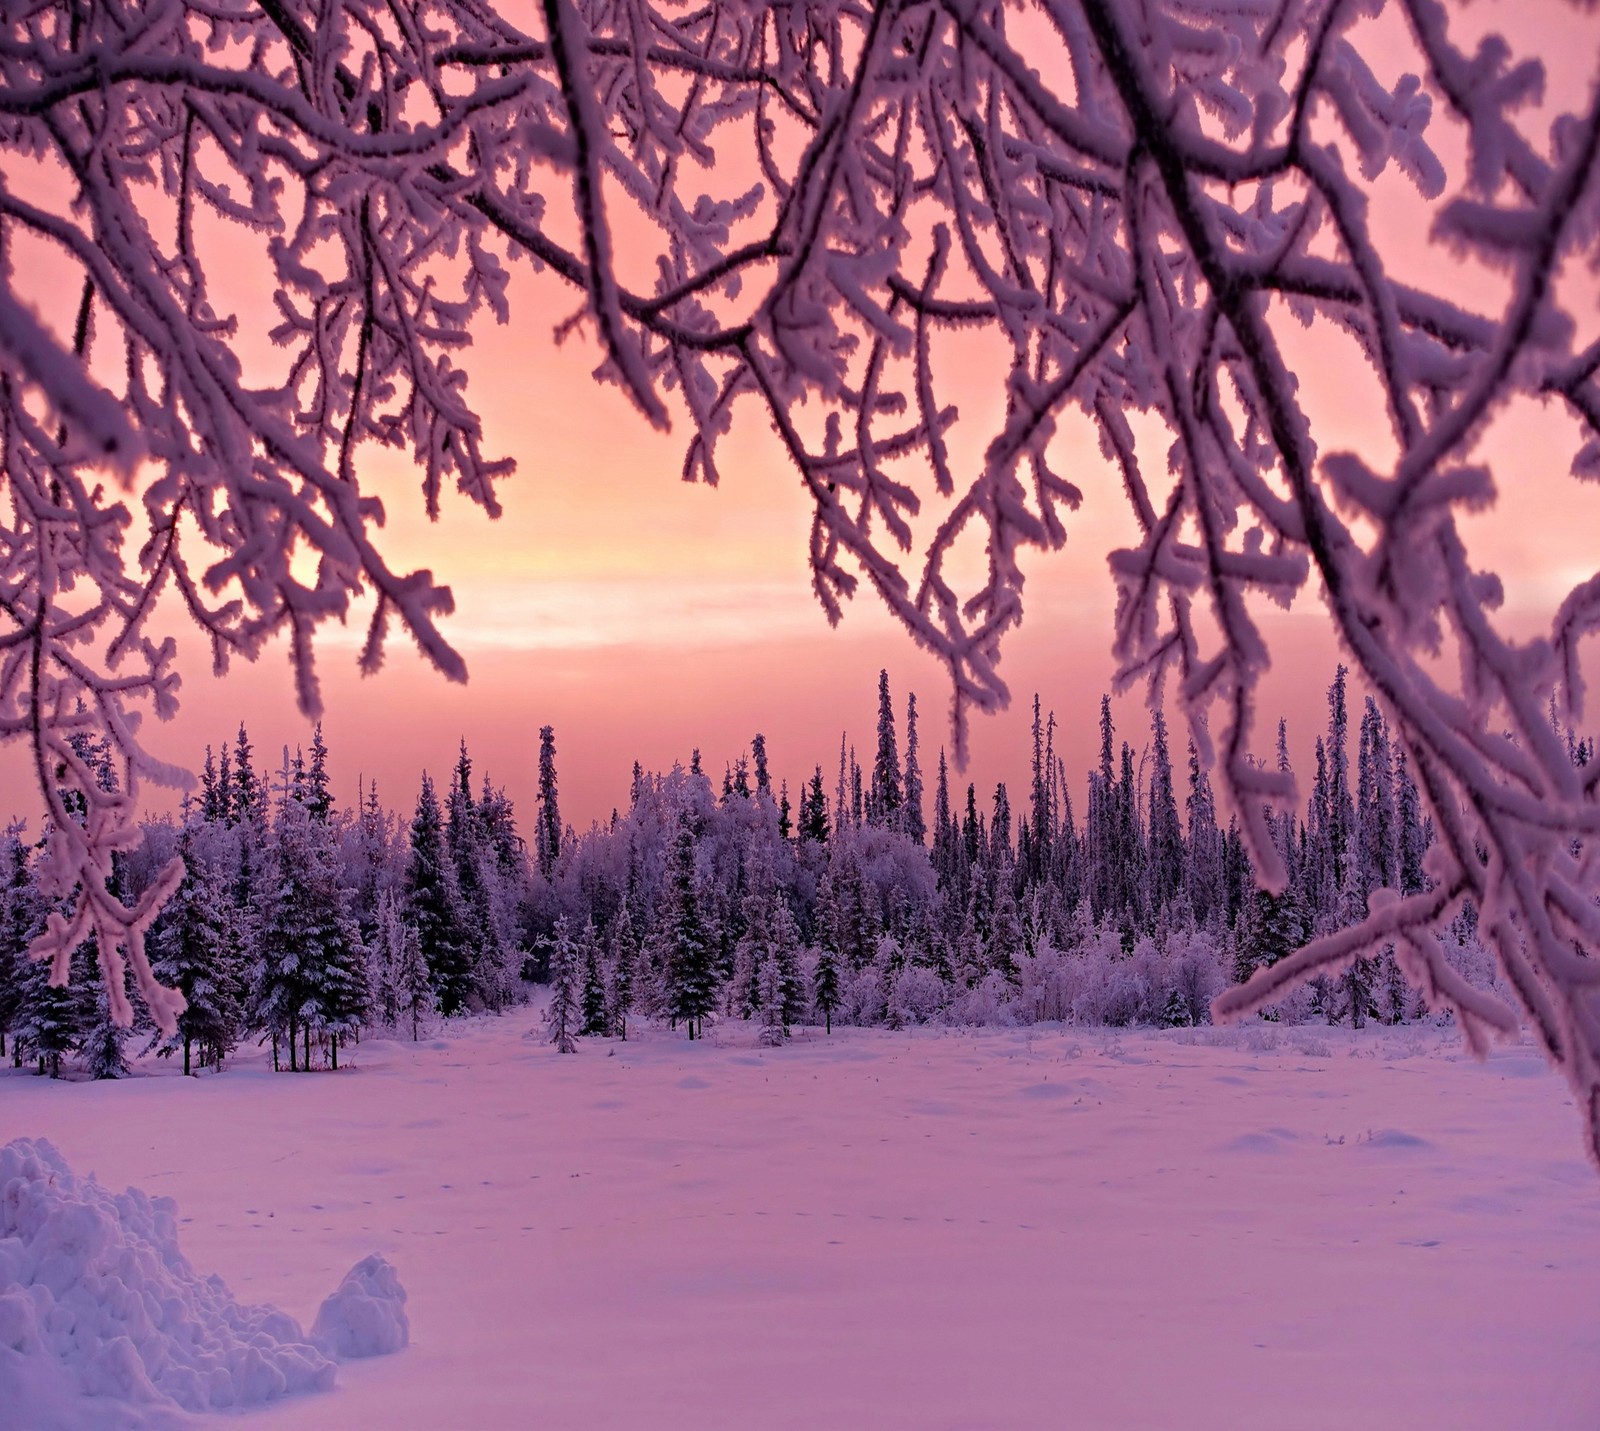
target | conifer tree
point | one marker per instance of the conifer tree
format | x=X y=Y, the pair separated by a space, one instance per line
x=20 y=919
x=785 y=827
x=758 y=753
x=249 y=802
x=687 y=954
x=825 y=983
x=562 y=1016
x=814 y=811
x=1165 y=875
x=102 y=1046
x=944 y=834
x=547 y=825
x=915 y=825
x=770 y=984
x=593 y=1008
x=433 y=904
x=318 y=797
x=621 y=971
x=193 y=949
x=884 y=798
x=1041 y=825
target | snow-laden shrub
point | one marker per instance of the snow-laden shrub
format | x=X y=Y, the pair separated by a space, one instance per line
x=862 y=997
x=989 y=1002
x=917 y=996
x=1045 y=984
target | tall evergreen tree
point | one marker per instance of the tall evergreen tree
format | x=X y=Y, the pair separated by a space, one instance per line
x=915 y=825
x=687 y=953
x=249 y=803
x=758 y=753
x=814 y=811
x=433 y=904
x=884 y=798
x=561 y=1018
x=547 y=825
x=193 y=949
x=622 y=971
x=593 y=1008
x=318 y=797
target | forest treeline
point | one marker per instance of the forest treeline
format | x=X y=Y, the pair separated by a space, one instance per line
x=864 y=898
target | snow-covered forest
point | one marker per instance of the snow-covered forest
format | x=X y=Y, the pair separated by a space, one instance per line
x=879 y=893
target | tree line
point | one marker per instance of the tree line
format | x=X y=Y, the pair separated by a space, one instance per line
x=300 y=924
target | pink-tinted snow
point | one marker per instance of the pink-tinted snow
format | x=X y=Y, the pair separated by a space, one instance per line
x=1293 y=1230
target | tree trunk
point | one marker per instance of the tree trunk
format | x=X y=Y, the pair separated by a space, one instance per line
x=293 y=1046
x=186 y=1055
x=333 y=1052
x=308 y=1049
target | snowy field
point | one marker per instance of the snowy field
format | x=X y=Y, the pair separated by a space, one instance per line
x=1292 y=1229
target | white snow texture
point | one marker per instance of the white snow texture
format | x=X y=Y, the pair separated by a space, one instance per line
x=366 y=1315
x=103 y=1322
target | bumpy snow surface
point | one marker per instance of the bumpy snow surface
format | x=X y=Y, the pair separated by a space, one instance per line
x=995 y=1230
x=366 y=1316
x=103 y=1322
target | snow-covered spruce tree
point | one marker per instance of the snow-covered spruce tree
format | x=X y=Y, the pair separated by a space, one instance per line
x=885 y=795
x=1133 y=203
x=194 y=950
x=20 y=918
x=103 y=1043
x=592 y=1006
x=566 y=976
x=310 y=980
x=621 y=970
x=685 y=942
x=433 y=904
x=547 y=823
x=770 y=987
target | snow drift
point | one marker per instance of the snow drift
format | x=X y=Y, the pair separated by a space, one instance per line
x=104 y=1323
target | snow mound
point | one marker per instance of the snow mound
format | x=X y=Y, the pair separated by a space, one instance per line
x=365 y=1315
x=103 y=1321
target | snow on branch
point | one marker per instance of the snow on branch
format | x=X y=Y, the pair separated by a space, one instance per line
x=817 y=213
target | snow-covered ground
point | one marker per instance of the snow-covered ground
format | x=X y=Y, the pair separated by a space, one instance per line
x=929 y=1229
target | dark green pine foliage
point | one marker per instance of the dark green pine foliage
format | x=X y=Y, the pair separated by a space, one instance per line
x=770 y=1003
x=50 y=1018
x=21 y=918
x=825 y=985
x=884 y=798
x=1270 y=927
x=193 y=949
x=561 y=1018
x=433 y=904
x=1165 y=876
x=547 y=823
x=913 y=821
x=594 y=1022
x=622 y=970
x=316 y=796
x=464 y=836
x=249 y=801
x=758 y=755
x=814 y=811
x=216 y=789
x=310 y=971
x=103 y=1046
x=784 y=950
x=687 y=951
